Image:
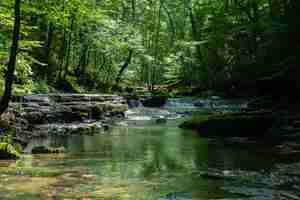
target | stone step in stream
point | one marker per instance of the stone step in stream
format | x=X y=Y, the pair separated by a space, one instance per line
x=42 y=114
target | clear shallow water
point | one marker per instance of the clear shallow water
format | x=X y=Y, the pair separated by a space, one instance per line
x=151 y=162
x=142 y=160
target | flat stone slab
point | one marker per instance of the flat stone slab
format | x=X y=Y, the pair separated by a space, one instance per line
x=40 y=114
x=70 y=128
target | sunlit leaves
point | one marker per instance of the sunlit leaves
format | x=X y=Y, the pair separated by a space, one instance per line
x=9 y=148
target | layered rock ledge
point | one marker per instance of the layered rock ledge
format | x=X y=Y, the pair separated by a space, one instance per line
x=39 y=115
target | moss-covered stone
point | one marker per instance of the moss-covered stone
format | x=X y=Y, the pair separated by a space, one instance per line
x=231 y=125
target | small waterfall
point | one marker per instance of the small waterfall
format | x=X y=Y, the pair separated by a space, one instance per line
x=181 y=107
x=41 y=114
x=132 y=103
x=174 y=108
x=179 y=103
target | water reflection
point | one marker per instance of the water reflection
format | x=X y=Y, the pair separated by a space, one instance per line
x=148 y=162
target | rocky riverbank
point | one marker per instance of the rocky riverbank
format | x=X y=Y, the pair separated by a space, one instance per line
x=279 y=128
x=250 y=124
x=43 y=114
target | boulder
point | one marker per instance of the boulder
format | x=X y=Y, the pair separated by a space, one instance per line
x=155 y=101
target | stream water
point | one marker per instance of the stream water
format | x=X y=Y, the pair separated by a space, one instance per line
x=142 y=160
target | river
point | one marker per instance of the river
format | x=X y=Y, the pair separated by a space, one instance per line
x=138 y=159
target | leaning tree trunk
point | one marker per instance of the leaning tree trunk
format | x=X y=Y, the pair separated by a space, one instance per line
x=12 y=60
x=124 y=67
x=48 y=42
x=69 y=46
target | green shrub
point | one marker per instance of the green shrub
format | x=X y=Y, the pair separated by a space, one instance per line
x=9 y=149
x=41 y=86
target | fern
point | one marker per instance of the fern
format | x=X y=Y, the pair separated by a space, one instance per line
x=10 y=149
x=7 y=145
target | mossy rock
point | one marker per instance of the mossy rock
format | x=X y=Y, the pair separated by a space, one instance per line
x=231 y=125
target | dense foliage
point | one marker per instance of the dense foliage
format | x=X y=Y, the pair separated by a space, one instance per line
x=225 y=45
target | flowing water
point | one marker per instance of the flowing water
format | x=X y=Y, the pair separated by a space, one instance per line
x=142 y=160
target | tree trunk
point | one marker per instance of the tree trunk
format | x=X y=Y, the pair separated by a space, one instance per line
x=157 y=52
x=133 y=5
x=171 y=24
x=84 y=60
x=63 y=53
x=12 y=59
x=124 y=66
x=48 y=42
x=69 y=45
x=195 y=34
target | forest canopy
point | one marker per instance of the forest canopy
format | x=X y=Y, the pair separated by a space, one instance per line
x=98 y=45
